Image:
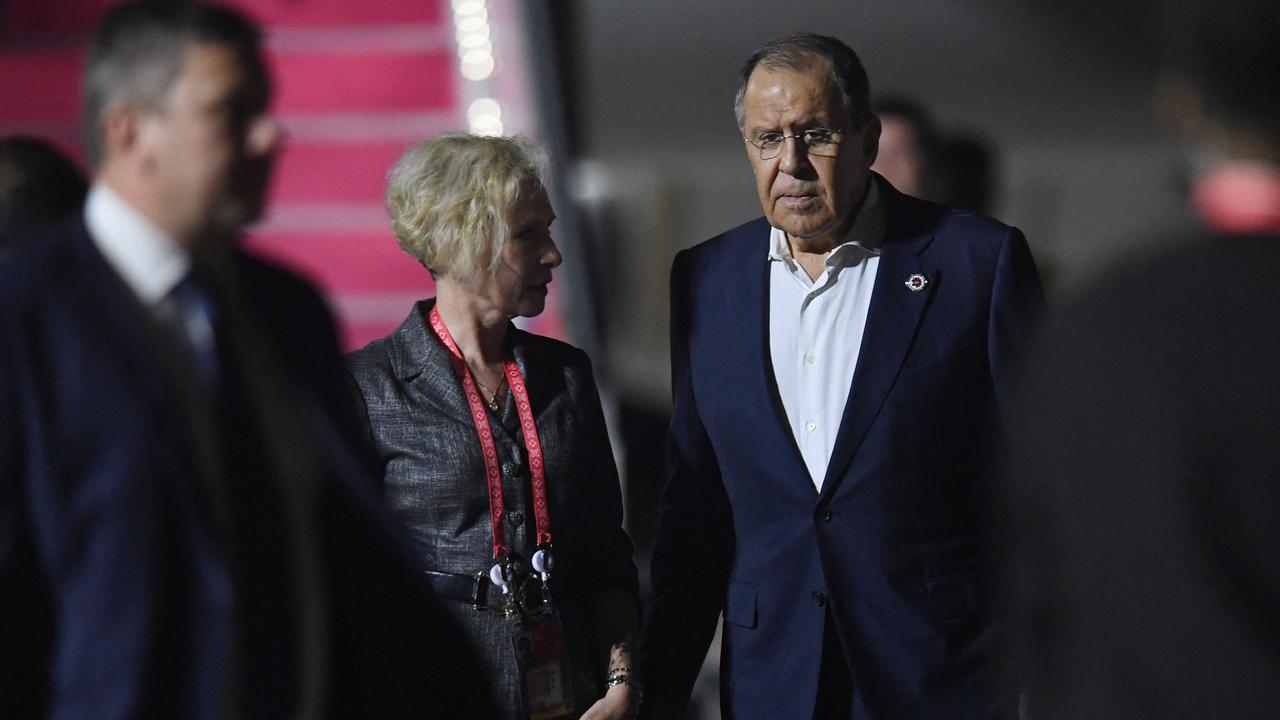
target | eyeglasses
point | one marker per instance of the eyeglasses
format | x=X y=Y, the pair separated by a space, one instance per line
x=823 y=142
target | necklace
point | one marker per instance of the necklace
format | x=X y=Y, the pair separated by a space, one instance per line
x=490 y=397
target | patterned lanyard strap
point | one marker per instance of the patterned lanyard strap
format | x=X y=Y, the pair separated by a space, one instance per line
x=497 y=504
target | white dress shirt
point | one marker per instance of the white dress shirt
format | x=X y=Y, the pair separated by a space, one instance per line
x=150 y=262
x=815 y=330
x=146 y=258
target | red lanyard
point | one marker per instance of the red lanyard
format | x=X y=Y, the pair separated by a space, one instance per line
x=497 y=505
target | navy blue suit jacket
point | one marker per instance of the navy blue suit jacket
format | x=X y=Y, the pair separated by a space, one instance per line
x=893 y=545
x=115 y=599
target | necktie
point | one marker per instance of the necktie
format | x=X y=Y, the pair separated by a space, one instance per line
x=198 y=320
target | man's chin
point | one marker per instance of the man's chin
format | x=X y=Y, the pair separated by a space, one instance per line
x=803 y=228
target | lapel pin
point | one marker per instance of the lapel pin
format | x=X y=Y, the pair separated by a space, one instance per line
x=916 y=282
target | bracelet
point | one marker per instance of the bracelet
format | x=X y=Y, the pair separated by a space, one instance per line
x=622 y=676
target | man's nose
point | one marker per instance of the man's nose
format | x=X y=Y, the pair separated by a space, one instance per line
x=794 y=156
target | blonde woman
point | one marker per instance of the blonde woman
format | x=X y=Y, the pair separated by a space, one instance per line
x=494 y=443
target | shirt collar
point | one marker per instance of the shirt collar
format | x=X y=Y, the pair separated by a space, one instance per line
x=150 y=262
x=863 y=239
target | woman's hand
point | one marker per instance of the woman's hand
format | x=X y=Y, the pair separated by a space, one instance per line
x=620 y=703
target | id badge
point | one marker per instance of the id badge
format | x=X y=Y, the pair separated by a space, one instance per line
x=544 y=668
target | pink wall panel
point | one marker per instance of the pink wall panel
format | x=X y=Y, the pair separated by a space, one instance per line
x=364 y=81
x=40 y=83
x=334 y=171
x=369 y=262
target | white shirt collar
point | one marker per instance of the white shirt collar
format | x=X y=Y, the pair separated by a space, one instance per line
x=866 y=234
x=150 y=262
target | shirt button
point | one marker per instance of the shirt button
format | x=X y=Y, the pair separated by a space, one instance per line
x=811 y=426
x=515 y=517
x=818 y=598
x=509 y=469
x=810 y=358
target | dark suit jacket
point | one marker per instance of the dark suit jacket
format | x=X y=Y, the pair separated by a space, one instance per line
x=893 y=546
x=422 y=428
x=1148 y=491
x=117 y=598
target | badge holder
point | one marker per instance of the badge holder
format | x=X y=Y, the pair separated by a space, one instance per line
x=541 y=655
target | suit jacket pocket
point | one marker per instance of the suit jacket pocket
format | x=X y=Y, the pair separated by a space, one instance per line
x=953 y=596
x=740 y=604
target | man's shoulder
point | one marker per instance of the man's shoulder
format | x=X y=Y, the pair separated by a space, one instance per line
x=34 y=272
x=751 y=237
x=290 y=306
x=265 y=277
x=910 y=215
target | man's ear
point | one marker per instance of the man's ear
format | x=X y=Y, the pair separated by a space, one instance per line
x=871 y=139
x=121 y=128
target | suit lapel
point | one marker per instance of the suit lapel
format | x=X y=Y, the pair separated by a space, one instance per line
x=422 y=364
x=744 y=297
x=892 y=321
x=759 y=298
x=122 y=323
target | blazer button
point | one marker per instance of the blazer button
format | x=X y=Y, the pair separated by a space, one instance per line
x=823 y=514
x=509 y=469
x=819 y=599
x=515 y=517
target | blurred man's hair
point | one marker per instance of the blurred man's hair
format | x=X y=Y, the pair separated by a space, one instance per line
x=138 y=51
x=38 y=186
x=1234 y=52
x=915 y=115
x=799 y=51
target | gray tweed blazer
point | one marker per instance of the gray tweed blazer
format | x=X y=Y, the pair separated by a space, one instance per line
x=421 y=427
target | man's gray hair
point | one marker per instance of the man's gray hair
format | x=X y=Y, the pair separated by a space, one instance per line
x=799 y=51
x=137 y=52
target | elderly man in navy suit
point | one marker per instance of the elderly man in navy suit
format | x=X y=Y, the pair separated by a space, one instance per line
x=839 y=368
x=186 y=526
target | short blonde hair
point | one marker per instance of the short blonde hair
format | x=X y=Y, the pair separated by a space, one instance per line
x=449 y=198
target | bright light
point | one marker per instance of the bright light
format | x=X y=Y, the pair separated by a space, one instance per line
x=472 y=40
x=484 y=116
x=472 y=23
x=475 y=51
x=479 y=70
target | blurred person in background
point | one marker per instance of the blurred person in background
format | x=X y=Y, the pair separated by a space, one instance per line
x=188 y=528
x=840 y=371
x=967 y=172
x=493 y=442
x=1149 y=481
x=909 y=147
x=38 y=186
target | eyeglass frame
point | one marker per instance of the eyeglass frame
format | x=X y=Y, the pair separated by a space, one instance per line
x=799 y=138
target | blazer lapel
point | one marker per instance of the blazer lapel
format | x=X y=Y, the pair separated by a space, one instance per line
x=892 y=321
x=122 y=323
x=744 y=300
x=422 y=364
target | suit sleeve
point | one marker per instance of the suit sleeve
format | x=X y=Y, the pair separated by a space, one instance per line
x=1017 y=306
x=693 y=547
x=26 y=641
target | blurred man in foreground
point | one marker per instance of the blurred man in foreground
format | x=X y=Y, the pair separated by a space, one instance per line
x=186 y=527
x=1150 y=483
